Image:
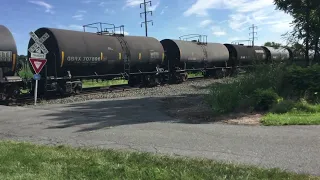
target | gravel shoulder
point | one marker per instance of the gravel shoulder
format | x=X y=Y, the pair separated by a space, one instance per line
x=194 y=109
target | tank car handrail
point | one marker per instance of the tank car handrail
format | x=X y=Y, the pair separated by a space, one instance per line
x=201 y=40
x=105 y=29
x=100 y=23
x=90 y=27
x=234 y=42
x=114 y=27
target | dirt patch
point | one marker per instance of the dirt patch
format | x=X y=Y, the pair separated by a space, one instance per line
x=194 y=109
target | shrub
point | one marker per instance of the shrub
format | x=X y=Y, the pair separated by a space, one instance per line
x=304 y=106
x=264 y=99
x=291 y=106
x=283 y=107
x=223 y=98
x=239 y=93
x=262 y=85
x=304 y=82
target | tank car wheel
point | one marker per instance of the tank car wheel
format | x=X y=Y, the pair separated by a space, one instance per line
x=132 y=82
x=184 y=77
x=206 y=74
x=77 y=90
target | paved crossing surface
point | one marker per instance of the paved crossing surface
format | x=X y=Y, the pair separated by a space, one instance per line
x=138 y=124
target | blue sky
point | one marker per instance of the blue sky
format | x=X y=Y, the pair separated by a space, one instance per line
x=221 y=20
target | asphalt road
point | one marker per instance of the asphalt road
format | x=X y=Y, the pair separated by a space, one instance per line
x=138 y=124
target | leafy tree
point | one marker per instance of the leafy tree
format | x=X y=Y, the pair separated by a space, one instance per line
x=306 y=14
x=273 y=44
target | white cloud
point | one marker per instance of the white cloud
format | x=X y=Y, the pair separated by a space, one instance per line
x=183 y=29
x=125 y=32
x=108 y=3
x=237 y=21
x=244 y=13
x=78 y=17
x=82 y=11
x=201 y=7
x=108 y=11
x=71 y=27
x=218 y=31
x=163 y=10
x=135 y=3
x=255 y=5
x=241 y=40
x=153 y=7
x=87 y=1
x=236 y=38
x=205 y=23
x=47 y=6
x=280 y=27
x=265 y=17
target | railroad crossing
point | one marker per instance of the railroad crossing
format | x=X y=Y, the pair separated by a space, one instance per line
x=38 y=58
x=38 y=46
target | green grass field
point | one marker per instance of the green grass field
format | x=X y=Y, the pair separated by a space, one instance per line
x=27 y=161
x=293 y=114
x=291 y=118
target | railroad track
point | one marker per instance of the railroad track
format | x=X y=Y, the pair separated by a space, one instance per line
x=28 y=99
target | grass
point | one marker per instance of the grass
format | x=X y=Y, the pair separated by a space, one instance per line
x=193 y=75
x=99 y=83
x=27 y=161
x=291 y=113
x=291 y=118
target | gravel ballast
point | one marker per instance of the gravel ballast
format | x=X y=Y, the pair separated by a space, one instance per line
x=190 y=87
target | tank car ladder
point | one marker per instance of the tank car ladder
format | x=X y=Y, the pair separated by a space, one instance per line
x=205 y=55
x=126 y=56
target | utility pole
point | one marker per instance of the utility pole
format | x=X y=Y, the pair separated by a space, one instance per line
x=145 y=15
x=253 y=27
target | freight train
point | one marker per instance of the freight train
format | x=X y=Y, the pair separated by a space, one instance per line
x=73 y=56
x=9 y=83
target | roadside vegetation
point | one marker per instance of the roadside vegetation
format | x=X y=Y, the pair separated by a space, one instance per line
x=27 y=161
x=286 y=95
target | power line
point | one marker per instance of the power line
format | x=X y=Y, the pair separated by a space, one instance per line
x=145 y=15
x=253 y=33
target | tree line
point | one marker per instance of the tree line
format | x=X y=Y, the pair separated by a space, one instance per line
x=306 y=25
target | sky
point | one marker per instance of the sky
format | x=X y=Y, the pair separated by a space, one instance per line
x=223 y=21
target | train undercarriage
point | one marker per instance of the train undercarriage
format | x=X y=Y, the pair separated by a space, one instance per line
x=67 y=86
x=10 y=88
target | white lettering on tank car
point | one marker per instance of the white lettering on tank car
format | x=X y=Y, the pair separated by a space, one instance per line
x=83 y=59
x=154 y=55
x=192 y=59
x=259 y=51
x=5 y=56
x=110 y=49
